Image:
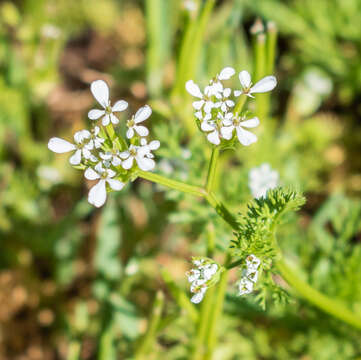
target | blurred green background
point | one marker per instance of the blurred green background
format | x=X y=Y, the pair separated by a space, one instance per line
x=79 y=283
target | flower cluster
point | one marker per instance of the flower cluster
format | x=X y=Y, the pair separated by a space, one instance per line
x=205 y=274
x=261 y=179
x=214 y=107
x=249 y=275
x=105 y=155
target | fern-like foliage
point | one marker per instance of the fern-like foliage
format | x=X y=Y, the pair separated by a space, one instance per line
x=256 y=236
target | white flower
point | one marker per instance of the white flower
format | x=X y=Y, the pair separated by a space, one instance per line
x=225 y=103
x=200 y=278
x=148 y=148
x=142 y=114
x=142 y=156
x=95 y=141
x=252 y=262
x=204 y=103
x=190 y=5
x=98 y=193
x=111 y=157
x=212 y=129
x=100 y=91
x=245 y=137
x=81 y=147
x=266 y=84
x=261 y=179
x=245 y=286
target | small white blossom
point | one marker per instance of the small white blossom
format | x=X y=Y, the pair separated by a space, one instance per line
x=81 y=147
x=225 y=103
x=266 y=84
x=213 y=132
x=250 y=275
x=100 y=91
x=200 y=278
x=142 y=114
x=141 y=154
x=111 y=157
x=204 y=101
x=95 y=140
x=245 y=286
x=245 y=137
x=98 y=193
x=261 y=179
x=190 y=5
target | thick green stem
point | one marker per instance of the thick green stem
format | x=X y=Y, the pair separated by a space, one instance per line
x=328 y=305
x=212 y=169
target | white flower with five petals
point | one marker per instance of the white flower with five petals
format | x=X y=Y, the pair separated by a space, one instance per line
x=98 y=193
x=141 y=156
x=100 y=91
x=81 y=147
x=110 y=157
x=142 y=114
x=266 y=84
x=245 y=137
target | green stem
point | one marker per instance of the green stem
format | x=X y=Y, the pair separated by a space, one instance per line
x=328 y=305
x=212 y=333
x=212 y=169
x=239 y=106
x=150 y=337
x=173 y=184
x=74 y=350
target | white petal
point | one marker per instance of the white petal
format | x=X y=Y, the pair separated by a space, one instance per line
x=198 y=104
x=99 y=168
x=114 y=119
x=95 y=114
x=245 y=137
x=193 y=89
x=197 y=298
x=127 y=164
x=142 y=114
x=141 y=130
x=251 y=123
x=106 y=120
x=227 y=132
x=145 y=164
x=124 y=154
x=213 y=137
x=245 y=79
x=198 y=115
x=116 y=161
x=227 y=92
x=100 y=91
x=115 y=184
x=91 y=174
x=76 y=158
x=237 y=93
x=130 y=133
x=86 y=153
x=206 y=126
x=111 y=173
x=98 y=194
x=120 y=105
x=268 y=83
x=226 y=73
x=154 y=145
x=60 y=146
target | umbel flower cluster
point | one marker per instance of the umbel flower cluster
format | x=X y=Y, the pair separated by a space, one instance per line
x=204 y=274
x=103 y=154
x=215 y=107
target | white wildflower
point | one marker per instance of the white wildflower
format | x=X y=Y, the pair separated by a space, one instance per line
x=266 y=84
x=95 y=140
x=245 y=137
x=142 y=114
x=245 y=286
x=100 y=91
x=141 y=154
x=204 y=101
x=213 y=132
x=261 y=179
x=98 y=193
x=111 y=157
x=250 y=275
x=81 y=147
x=200 y=278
